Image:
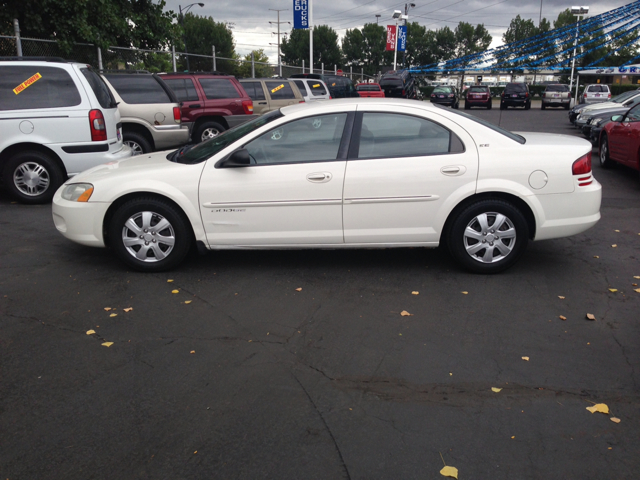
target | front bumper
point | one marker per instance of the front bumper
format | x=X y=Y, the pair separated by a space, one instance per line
x=81 y=222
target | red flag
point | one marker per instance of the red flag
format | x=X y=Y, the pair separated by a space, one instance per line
x=391 y=37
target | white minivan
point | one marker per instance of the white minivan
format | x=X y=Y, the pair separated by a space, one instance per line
x=57 y=119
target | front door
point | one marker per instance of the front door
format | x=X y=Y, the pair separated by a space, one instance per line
x=402 y=174
x=291 y=194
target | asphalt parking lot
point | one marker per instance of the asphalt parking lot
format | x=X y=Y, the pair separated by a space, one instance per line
x=299 y=364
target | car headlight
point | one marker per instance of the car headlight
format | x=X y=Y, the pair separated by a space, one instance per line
x=77 y=192
x=595 y=121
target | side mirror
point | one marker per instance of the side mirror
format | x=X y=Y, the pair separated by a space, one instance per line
x=617 y=118
x=239 y=158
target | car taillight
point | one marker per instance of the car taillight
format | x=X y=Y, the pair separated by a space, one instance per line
x=526 y=94
x=451 y=95
x=433 y=94
x=176 y=114
x=585 y=95
x=247 y=106
x=582 y=166
x=609 y=96
x=97 y=125
x=330 y=97
x=403 y=91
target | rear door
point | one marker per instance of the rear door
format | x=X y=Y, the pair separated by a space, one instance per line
x=185 y=90
x=281 y=93
x=401 y=174
x=221 y=94
x=255 y=91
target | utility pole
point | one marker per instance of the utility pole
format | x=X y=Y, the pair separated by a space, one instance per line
x=407 y=6
x=278 y=23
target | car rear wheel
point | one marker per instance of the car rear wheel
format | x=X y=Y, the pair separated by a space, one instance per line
x=503 y=106
x=542 y=106
x=466 y=105
x=605 y=159
x=489 y=105
x=207 y=131
x=139 y=145
x=150 y=235
x=488 y=236
x=527 y=106
x=32 y=177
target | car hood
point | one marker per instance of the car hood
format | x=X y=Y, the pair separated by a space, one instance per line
x=603 y=112
x=600 y=106
x=139 y=164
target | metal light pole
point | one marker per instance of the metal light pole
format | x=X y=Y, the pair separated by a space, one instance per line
x=279 y=22
x=407 y=6
x=378 y=18
x=184 y=37
x=397 y=15
x=580 y=12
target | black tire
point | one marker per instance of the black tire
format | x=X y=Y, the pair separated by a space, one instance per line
x=207 y=131
x=466 y=105
x=456 y=105
x=155 y=243
x=32 y=177
x=527 y=106
x=542 y=106
x=137 y=142
x=489 y=105
x=566 y=107
x=503 y=106
x=493 y=258
x=603 y=152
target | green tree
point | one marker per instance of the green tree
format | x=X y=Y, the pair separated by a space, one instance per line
x=445 y=44
x=124 y=23
x=200 y=35
x=519 y=29
x=244 y=69
x=470 y=39
x=353 y=47
x=295 y=47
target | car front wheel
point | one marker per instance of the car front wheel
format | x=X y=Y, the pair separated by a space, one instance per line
x=488 y=236
x=32 y=177
x=149 y=234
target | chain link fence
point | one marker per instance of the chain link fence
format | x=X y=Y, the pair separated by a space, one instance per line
x=156 y=61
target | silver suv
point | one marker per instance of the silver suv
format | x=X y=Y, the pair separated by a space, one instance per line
x=57 y=118
x=595 y=93
x=151 y=118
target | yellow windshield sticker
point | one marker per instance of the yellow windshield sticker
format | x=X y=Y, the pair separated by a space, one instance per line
x=28 y=82
x=277 y=88
x=316 y=85
x=333 y=84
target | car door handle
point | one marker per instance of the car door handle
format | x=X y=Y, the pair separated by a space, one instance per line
x=319 y=177
x=453 y=170
x=195 y=105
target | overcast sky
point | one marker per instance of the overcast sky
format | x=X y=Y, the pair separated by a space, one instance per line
x=250 y=18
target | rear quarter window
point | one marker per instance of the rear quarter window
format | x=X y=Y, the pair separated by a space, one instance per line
x=25 y=87
x=317 y=88
x=218 y=88
x=138 y=89
x=254 y=90
x=99 y=88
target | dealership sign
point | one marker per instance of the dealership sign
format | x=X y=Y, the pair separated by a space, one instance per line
x=391 y=37
x=625 y=70
x=301 y=14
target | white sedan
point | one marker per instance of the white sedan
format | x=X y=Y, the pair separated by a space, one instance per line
x=352 y=173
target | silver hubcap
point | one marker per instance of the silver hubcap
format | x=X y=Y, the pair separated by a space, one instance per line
x=209 y=133
x=489 y=237
x=148 y=236
x=31 y=178
x=603 y=153
x=137 y=149
x=277 y=134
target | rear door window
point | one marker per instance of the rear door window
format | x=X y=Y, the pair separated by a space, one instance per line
x=137 y=89
x=183 y=88
x=218 y=88
x=30 y=87
x=100 y=89
x=254 y=90
x=317 y=88
x=280 y=90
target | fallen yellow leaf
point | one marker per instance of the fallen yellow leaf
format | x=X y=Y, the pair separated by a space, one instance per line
x=90 y=332
x=175 y=291
x=560 y=297
x=169 y=281
x=128 y=309
x=615 y=419
x=192 y=351
x=562 y=317
x=113 y=315
x=449 y=472
x=299 y=289
x=494 y=389
x=636 y=290
x=415 y=293
x=464 y=293
x=614 y=245
x=599 y=407
x=404 y=313
x=636 y=276
x=616 y=230
x=513 y=437
x=188 y=301
x=590 y=316
x=107 y=344
x=613 y=290
x=596 y=256
x=526 y=359
x=106 y=309
x=195 y=452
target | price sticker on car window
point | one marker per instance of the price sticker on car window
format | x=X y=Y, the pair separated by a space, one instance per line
x=316 y=85
x=333 y=84
x=27 y=83
x=279 y=87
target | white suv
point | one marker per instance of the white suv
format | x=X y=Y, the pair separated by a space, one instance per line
x=57 y=119
x=596 y=93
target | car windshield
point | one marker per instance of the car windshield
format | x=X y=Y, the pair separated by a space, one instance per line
x=490 y=125
x=207 y=149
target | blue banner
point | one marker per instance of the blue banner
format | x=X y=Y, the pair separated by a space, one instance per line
x=301 y=14
x=402 y=38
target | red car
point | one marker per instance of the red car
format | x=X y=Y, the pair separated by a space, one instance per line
x=477 y=96
x=370 y=90
x=620 y=140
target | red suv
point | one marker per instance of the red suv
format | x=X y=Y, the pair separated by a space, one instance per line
x=212 y=101
x=477 y=95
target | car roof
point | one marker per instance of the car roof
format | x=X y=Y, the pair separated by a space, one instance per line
x=349 y=102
